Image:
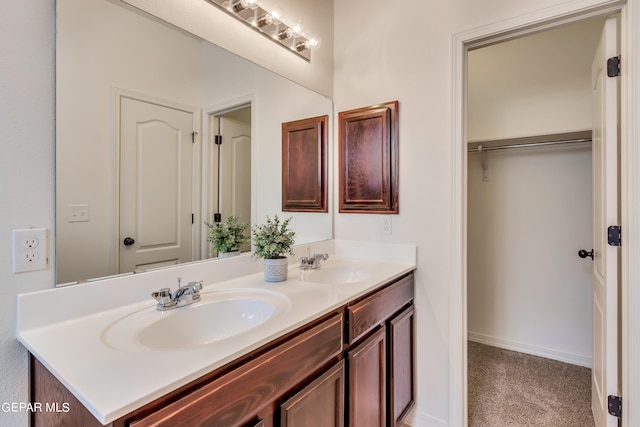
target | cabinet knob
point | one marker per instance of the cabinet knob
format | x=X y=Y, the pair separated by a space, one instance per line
x=128 y=241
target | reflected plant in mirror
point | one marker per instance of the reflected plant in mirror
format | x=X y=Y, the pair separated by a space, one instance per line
x=227 y=237
x=139 y=113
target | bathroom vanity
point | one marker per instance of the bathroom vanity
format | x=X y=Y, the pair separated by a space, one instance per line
x=336 y=354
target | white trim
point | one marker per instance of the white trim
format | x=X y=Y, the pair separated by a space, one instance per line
x=574 y=359
x=630 y=209
x=538 y=21
x=417 y=419
x=118 y=93
x=207 y=115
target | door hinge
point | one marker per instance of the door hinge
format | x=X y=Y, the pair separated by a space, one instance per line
x=218 y=140
x=193 y=136
x=614 y=237
x=217 y=217
x=613 y=66
x=193 y=219
x=615 y=406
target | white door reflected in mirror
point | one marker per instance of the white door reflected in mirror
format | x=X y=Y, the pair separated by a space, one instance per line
x=156 y=174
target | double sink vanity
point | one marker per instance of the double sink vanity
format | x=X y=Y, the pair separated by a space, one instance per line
x=331 y=346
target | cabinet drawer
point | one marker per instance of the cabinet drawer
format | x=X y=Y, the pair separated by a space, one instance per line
x=233 y=399
x=365 y=315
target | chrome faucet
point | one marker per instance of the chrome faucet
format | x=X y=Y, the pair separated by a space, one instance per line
x=312 y=262
x=184 y=295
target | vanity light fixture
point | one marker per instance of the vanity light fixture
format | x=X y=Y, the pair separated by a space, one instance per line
x=269 y=22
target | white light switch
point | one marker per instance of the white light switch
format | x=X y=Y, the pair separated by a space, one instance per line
x=77 y=213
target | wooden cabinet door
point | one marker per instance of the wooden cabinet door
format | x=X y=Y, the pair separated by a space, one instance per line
x=320 y=404
x=367 y=382
x=401 y=366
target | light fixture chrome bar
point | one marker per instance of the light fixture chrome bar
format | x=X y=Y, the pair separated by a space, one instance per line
x=262 y=22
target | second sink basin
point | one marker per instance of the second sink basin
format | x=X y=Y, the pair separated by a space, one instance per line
x=220 y=315
x=340 y=272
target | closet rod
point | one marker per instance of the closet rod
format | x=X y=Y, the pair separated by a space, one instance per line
x=532 y=144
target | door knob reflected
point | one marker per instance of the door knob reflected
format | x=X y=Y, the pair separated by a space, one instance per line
x=582 y=253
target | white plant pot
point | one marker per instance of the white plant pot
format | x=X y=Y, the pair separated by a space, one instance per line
x=228 y=254
x=275 y=270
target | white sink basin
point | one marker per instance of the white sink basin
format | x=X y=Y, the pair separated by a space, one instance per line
x=220 y=315
x=339 y=272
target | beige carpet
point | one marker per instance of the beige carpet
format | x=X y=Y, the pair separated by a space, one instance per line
x=507 y=388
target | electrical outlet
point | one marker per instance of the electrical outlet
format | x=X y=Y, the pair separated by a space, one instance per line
x=386 y=224
x=29 y=250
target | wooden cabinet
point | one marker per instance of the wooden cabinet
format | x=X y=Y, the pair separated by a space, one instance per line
x=381 y=363
x=352 y=367
x=321 y=403
x=401 y=366
x=235 y=398
x=367 y=382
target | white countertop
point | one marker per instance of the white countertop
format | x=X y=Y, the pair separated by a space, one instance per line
x=63 y=328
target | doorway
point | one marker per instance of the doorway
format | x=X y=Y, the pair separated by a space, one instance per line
x=228 y=168
x=462 y=44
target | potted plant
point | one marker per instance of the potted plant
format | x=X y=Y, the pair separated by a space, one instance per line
x=272 y=241
x=227 y=237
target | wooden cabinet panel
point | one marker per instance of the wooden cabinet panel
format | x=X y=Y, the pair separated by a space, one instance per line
x=235 y=398
x=401 y=366
x=368 y=159
x=304 y=165
x=51 y=391
x=367 y=314
x=320 y=404
x=367 y=382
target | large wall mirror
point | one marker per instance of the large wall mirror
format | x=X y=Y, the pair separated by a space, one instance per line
x=138 y=106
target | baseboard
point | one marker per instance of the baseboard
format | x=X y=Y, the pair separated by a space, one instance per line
x=573 y=359
x=416 y=419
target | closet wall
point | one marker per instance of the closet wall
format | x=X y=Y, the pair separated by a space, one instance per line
x=527 y=288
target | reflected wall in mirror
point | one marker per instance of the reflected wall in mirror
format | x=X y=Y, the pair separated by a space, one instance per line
x=109 y=55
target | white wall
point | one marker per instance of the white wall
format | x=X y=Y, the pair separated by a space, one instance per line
x=539 y=84
x=383 y=52
x=27 y=165
x=527 y=289
x=118 y=50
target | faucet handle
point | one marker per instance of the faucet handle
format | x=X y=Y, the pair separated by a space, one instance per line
x=323 y=257
x=163 y=296
x=196 y=286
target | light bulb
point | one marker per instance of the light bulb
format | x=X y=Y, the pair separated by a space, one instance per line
x=264 y=20
x=239 y=5
x=313 y=42
x=285 y=34
x=308 y=44
x=298 y=29
x=253 y=4
x=277 y=14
